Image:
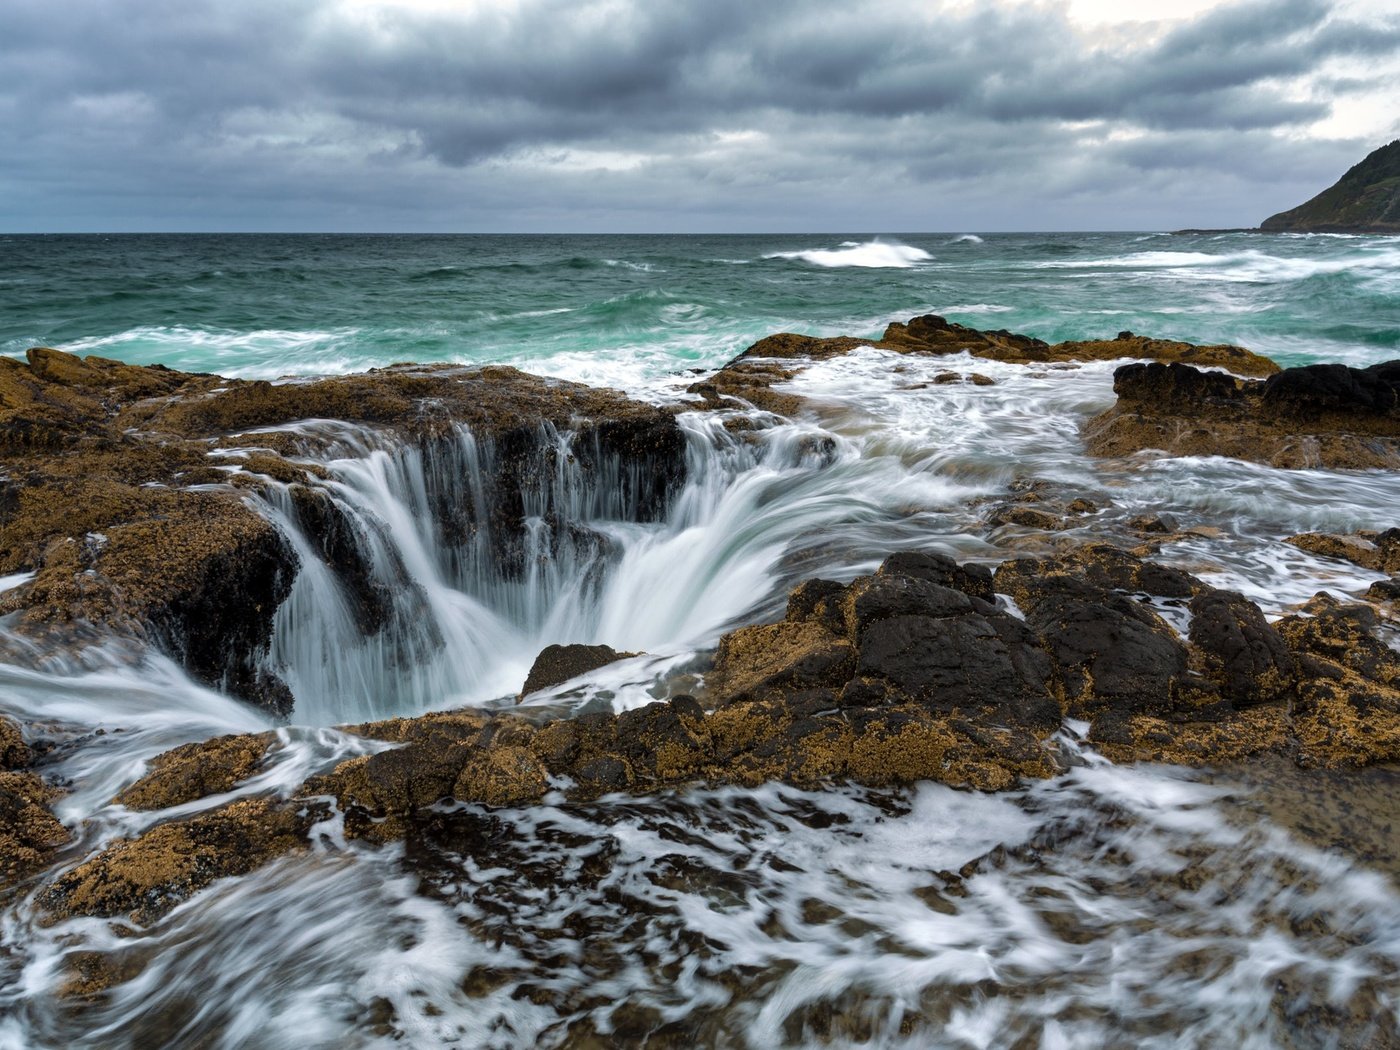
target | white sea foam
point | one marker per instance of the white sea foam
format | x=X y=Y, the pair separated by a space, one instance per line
x=1245 y=266
x=14 y=580
x=976 y=308
x=259 y=353
x=966 y=238
x=874 y=254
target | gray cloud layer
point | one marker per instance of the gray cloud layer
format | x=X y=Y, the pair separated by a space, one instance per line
x=661 y=114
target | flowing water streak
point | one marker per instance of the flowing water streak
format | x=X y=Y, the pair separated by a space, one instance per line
x=1114 y=904
x=468 y=612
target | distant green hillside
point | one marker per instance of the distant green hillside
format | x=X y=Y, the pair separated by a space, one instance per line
x=1365 y=200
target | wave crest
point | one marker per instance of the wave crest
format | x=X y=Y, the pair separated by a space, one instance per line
x=871 y=254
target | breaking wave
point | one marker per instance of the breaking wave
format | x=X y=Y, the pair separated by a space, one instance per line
x=871 y=254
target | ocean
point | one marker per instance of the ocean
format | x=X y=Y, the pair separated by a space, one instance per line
x=1147 y=906
x=629 y=310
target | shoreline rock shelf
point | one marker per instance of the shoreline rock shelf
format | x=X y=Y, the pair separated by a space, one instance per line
x=913 y=673
x=127 y=494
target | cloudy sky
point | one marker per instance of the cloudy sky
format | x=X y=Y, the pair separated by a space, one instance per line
x=684 y=115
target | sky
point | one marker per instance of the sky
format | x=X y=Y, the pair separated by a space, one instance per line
x=684 y=115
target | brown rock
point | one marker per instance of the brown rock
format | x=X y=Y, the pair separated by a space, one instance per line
x=1319 y=415
x=751 y=376
x=753 y=662
x=99 y=497
x=14 y=752
x=197 y=770
x=29 y=832
x=557 y=664
x=1379 y=551
x=1026 y=517
x=144 y=878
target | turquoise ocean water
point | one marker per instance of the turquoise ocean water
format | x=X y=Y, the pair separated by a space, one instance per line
x=626 y=309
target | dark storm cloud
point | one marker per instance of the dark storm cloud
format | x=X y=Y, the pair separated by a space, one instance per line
x=881 y=113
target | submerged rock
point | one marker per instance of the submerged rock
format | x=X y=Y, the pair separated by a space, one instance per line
x=1316 y=416
x=1379 y=551
x=142 y=879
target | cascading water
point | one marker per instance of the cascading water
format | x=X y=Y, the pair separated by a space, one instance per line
x=465 y=605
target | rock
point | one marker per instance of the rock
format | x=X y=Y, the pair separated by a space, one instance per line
x=197 y=770
x=1100 y=566
x=14 y=752
x=1314 y=391
x=1317 y=416
x=1378 y=551
x=983 y=666
x=754 y=662
x=1364 y=200
x=1384 y=590
x=922 y=629
x=1244 y=654
x=751 y=377
x=1162 y=524
x=557 y=664
x=908 y=674
x=142 y=879
x=29 y=832
x=1110 y=650
x=1166 y=352
x=1026 y=517
x=973 y=580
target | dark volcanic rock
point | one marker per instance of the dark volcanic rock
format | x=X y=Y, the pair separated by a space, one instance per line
x=922 y=629
x=1245 y=654
x=1317 y=390
x=1318 y=415
x=973 y=580
x=557 y=664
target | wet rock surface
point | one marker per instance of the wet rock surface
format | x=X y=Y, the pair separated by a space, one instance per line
x=197 y=770
x=29 y=832
x=144 y=878
x=920 y=671
x=1314 y=416
x=1379 y=551
x=751 y=377
x=125 y=490
x=556 y=664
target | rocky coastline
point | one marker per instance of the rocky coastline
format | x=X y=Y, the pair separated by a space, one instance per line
x=126 y=500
